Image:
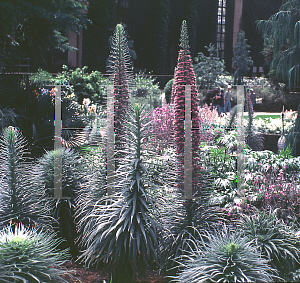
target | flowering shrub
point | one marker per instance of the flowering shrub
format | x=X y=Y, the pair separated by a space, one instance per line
x=208 y=118
x=276 y=191
x=267 y=161
x=162 y=130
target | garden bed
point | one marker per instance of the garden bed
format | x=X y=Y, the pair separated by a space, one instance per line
x=92 y=275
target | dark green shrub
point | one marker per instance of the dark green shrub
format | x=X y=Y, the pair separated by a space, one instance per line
x=168 y=90
x=275 y=240
x=208 y=69
x=145 y=91
x=79 y=82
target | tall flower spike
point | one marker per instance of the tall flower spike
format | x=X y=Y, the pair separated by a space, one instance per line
x=184 y=75
x=184 y=38
x=121 y=69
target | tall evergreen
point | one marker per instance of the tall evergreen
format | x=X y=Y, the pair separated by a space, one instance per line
x=281 y=34
x=241 y=59
x=184 y=75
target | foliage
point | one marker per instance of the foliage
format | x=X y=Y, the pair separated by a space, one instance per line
x=22 y=200
x=78 y=88
x=281 y=35
x=241 y=59
x=144 y=85
x=168 y=90
x=254 y=140
x=275 y=240
x=145 y=91
x=162 y=128
x=187 y=220
x=126 y=228
x=35 y=29
x=7 y=117
x=96 y=46
x=184 y=76
x=63 y=206
x=208 y=117
x=272 y=125
x=271 y=181
x=33 y=109
x=224 y=257
x=82 y=84
x=94 y=187
x=273 y=95
x=30 y=255
x=208 y=68
x=293 y=136
x=220 y=165
x=74 y=119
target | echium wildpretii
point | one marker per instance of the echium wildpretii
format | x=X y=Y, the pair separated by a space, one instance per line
x=184 y=75
x=121 y=69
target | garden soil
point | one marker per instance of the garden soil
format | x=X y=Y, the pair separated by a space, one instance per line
x=90 y=275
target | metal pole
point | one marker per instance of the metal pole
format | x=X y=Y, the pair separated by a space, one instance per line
x=110 y=140
x=188 y=168
x=240 y=141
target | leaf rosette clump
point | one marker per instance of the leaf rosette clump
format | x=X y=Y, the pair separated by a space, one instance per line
x=30 y=255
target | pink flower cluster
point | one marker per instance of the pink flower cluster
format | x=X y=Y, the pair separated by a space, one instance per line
x=207 y=117
x=280 y=192
x=162 y=128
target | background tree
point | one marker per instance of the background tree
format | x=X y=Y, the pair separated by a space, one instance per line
x=35 y=29
x=96 y=38
x=281 y=34
x=157 y=34
x=190 y=13
x=241 y=59
x=209 y=68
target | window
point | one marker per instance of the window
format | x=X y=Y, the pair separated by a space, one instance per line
x=221 y=28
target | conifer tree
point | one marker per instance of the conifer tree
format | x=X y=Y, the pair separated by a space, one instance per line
x=121 y=69
x=241 y=60
x=184 y=75
x=281 y=34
